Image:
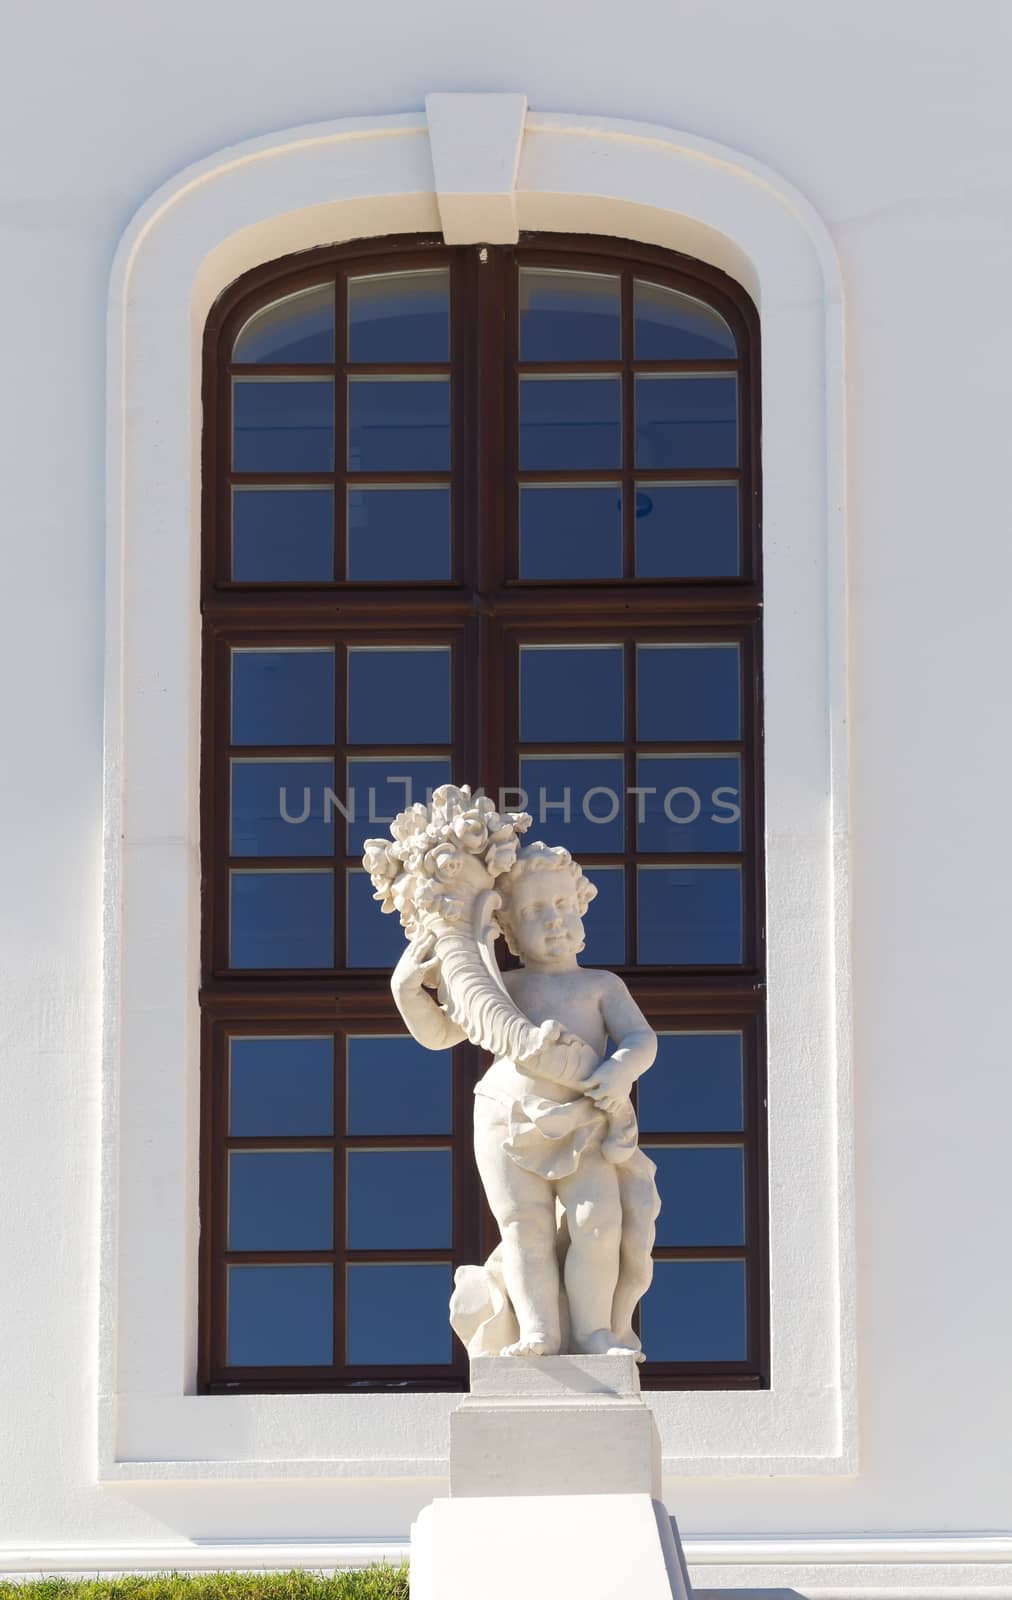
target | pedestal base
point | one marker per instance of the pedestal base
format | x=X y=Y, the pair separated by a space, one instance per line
x=554 y=1489
x=554 y=1425
x=552 y=1547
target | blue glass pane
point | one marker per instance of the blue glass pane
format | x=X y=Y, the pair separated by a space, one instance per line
x=569 y=316
x=692 y=803
x=282 y=919
x=689 y=916
x=399 y=1199
x=686 y=422
x=570 y=423
x=280 y=1200
x=686 y=691
x=395 y=1085
x=381 y=786
x=399 y=316
x=399 y=424
x=605 y=919
x=695 y=1311
x=687 y=530
x=398 y=1314
x=578 y=801
x=398 y=534
x=702 y=1194
x=295 y=329
x=694 y=1085
x=282 y=808
x=281 y=1086
x=674 y=327
x=280 y=1316
x=282 y=424
x=282 y=696
x=282 y=535
x=570 y=693
x=399 y=696
x=571 y=531
x=375 y=937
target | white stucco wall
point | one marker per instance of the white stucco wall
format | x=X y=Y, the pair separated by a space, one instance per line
x=894 y=121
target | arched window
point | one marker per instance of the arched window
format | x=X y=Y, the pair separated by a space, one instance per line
x=487 y=515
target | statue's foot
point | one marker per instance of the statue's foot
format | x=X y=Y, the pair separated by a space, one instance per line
x=626 y=1344
x=534 y=1344
x=596 y=1344
x=606 y=1343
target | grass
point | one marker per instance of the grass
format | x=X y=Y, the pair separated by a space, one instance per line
x=370 y=1583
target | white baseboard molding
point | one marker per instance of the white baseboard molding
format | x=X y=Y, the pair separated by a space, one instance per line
x=843 y=1567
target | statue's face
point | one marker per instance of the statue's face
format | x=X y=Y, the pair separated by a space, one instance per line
x=545 y=917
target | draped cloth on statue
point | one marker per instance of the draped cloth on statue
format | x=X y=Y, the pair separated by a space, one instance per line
x=548 y=1138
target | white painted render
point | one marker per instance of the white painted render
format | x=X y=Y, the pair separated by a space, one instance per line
x=806 y=149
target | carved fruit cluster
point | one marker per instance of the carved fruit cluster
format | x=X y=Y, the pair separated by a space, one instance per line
x=419 y=872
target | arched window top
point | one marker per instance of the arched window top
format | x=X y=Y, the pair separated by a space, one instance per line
x=564 y=315
x=599 y=399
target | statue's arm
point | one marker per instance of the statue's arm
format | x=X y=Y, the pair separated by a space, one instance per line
x=423 y=1016
x=635 y=1045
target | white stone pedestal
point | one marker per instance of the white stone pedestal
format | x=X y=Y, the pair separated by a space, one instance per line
x=554 y=1489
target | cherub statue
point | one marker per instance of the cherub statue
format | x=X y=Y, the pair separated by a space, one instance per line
x=555 y=1133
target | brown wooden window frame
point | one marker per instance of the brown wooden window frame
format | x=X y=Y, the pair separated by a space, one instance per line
x=487 y=611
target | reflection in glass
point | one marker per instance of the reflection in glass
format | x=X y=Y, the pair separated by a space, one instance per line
x=281 y=1086
x=399 y=696
x=550 y=712
x=381 y=786
x=671 y=326
x=570 y=423
x=379 y=1332
x=695 y=1311
x=687 y=530
x=692 y=803
x=399 y=316
x=397 y=1086
x=281 y=919
x=374 y=939
x=689 y=916
x=569 y=316
x=579 y=800
x=295 y=329
x=280 y=1316
x=399 y=1199
x=688 y=691
x=702 y=1192
x=605 y=920
x=571 y=530
x=694 y=1085
x=398 y=534
x=282 y=697
x=686 y=421
x=282 y=535
x=280 y=1200
x=282 y=425
x=399 y=424
x=282 y=808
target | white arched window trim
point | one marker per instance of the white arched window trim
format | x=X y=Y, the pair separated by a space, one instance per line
x=480 y=167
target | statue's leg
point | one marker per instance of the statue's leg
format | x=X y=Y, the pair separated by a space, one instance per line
x=594 y=1214
x=640 y=1206
x=523 y=1205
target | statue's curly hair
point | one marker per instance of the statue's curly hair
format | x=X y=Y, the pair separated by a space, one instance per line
x=539 y=857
